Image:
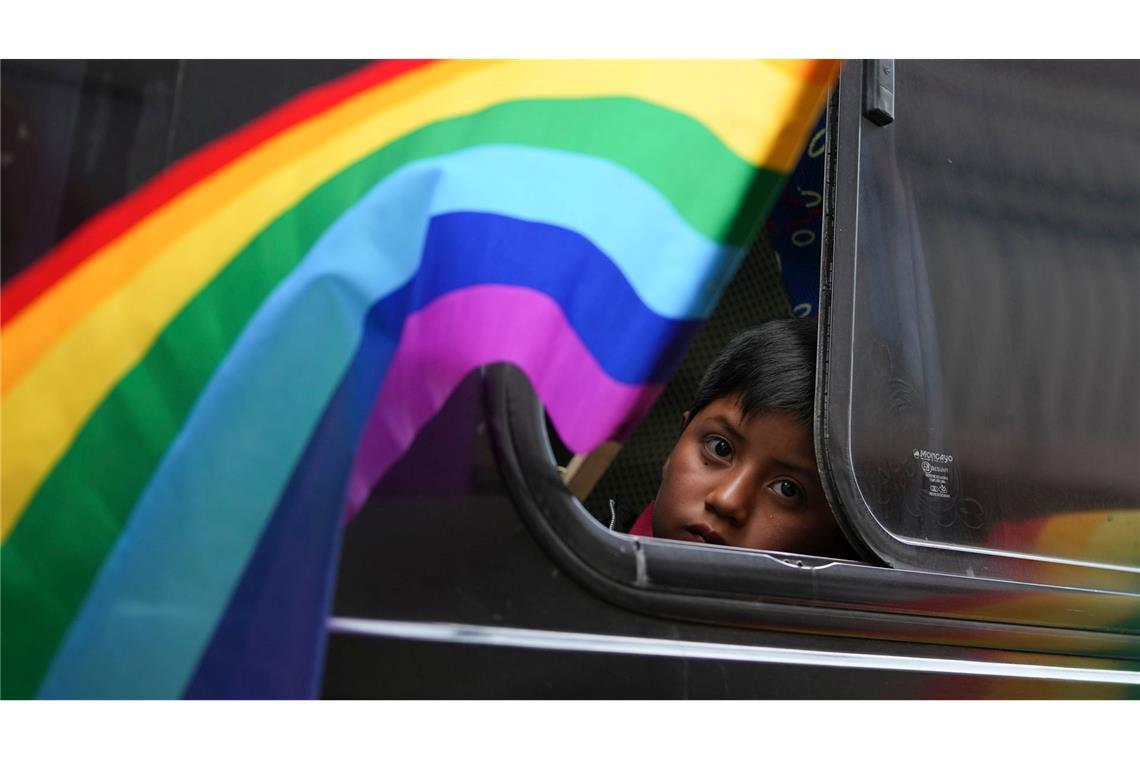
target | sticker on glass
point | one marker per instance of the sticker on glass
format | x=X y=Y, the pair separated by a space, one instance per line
x=935 y=471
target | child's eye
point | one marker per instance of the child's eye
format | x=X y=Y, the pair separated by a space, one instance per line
x=787 y=488
x=718 y=447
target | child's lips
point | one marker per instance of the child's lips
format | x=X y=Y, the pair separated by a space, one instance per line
x=705 y=533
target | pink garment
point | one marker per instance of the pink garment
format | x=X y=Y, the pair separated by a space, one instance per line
x=643 y=525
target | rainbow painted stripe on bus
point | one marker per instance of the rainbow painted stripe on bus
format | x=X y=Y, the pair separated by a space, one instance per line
x=201 y=383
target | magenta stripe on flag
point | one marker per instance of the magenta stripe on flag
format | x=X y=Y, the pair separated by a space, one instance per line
x=484 y=324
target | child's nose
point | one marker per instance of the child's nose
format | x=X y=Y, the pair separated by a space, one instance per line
x=731 y=499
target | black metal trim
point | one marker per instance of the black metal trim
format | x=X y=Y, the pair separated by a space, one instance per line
x=824 y=340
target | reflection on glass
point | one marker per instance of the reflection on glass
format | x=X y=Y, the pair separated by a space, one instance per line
x=996 y=348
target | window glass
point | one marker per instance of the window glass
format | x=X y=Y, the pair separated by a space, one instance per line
x=985 y=340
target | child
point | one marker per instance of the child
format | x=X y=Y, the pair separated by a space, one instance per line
x=743 y=471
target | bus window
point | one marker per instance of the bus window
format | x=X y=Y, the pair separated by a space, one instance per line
x=755 y=295
x=778 y=279
x=979 y=405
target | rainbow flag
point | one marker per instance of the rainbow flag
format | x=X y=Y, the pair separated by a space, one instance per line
x=202 y=382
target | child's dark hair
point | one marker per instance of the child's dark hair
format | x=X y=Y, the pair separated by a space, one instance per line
x=768 y=368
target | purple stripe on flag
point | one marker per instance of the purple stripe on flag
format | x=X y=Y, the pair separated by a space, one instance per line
x=480 y=325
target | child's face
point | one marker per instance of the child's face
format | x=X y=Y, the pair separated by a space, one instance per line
x=751 y=484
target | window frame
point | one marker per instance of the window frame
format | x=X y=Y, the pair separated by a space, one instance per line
x=785 y=592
